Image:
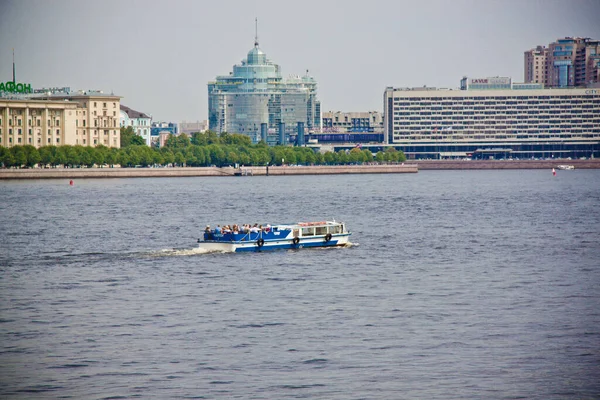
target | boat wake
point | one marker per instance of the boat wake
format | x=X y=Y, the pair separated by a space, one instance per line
x=183 y=252
x=199 y=251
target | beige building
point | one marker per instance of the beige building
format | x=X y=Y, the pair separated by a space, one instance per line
x=191 y=127
x=535 y=65
x=97 y=120
x=87 y=119
x=37 y=122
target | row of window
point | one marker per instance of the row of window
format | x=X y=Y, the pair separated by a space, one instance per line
x=57 y=141
x=29 y=140
x=483 y=98
x=19 y=131
x=495 y=137
x=491 y=117
x=19 y=122
x=595 y=101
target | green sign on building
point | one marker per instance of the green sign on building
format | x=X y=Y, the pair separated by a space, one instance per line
x=13 y=87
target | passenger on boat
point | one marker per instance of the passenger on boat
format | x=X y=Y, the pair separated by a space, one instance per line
x=226 y=229
x=218 y=230
x=208 y=233
x=268 y=228
x=254 y=229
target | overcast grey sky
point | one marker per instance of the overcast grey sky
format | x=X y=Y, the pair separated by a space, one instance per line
x=159 y=55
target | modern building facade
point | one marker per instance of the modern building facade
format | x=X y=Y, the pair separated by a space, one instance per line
x=86 y=118
x=255 y=93
x=567 y=62
x=139 y=121
x=518 y=122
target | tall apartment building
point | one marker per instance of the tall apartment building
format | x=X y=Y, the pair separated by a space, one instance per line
x=535 y=65
x=567 y=62
x=515 y=120
x=255 y=94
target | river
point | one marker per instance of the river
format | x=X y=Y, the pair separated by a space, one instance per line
x=458 y=284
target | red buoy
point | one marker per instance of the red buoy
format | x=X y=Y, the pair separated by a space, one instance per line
x=71 y=182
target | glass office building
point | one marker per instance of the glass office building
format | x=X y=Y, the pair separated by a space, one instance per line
x=255 y=100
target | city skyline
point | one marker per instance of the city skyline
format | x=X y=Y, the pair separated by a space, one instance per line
x=160 y=56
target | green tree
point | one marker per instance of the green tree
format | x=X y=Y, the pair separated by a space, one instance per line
x=47 y=154
x=179 y=158
x=85 y=158
x=342 y=157
x=137 y=141
x=127 y=135
x=329 y=158
x=60 y=158
x=111 y=157
x=19 y=155
x=356 y=156
x=157 y=158
x=33 y=155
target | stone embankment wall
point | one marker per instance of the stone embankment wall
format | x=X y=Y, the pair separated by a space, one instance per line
x=504 y=164
x=79 y=173
x=408 y=167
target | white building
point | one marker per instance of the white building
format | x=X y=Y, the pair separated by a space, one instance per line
x=140 y=122
x=493 y=117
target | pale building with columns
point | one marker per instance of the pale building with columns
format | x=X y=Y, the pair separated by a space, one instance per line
x=86 y=118
x=37 y=122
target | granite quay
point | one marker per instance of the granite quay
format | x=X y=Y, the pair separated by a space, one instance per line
x=78 y=173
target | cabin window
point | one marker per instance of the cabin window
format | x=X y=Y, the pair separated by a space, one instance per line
x=308 y=231
x=321 y=230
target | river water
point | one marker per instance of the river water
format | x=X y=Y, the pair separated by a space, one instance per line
x=459 y=284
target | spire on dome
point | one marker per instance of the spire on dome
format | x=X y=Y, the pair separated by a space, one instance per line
x=255 y=32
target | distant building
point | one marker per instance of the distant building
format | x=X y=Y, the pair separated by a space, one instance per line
x=568 y=62
x=496 y=83
x=342 y=122
x=192 y=127
x=493 y=116
x=140 y=122
x=158 y=128
x=59 y=116
x=535 y=65
x=38 y=122
x=255 y=94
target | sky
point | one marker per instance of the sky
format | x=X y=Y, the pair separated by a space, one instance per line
x=159 y=55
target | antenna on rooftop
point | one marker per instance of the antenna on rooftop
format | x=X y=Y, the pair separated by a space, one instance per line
x=255 y=32
x=14 y=77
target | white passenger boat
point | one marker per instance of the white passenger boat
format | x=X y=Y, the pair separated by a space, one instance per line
x=278 y=236
x=565 y=167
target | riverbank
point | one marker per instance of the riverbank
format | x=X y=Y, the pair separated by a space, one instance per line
x=79 y=173
x=504 y=164
x=407 y=167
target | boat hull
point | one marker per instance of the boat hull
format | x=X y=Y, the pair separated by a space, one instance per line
x=274 y=244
